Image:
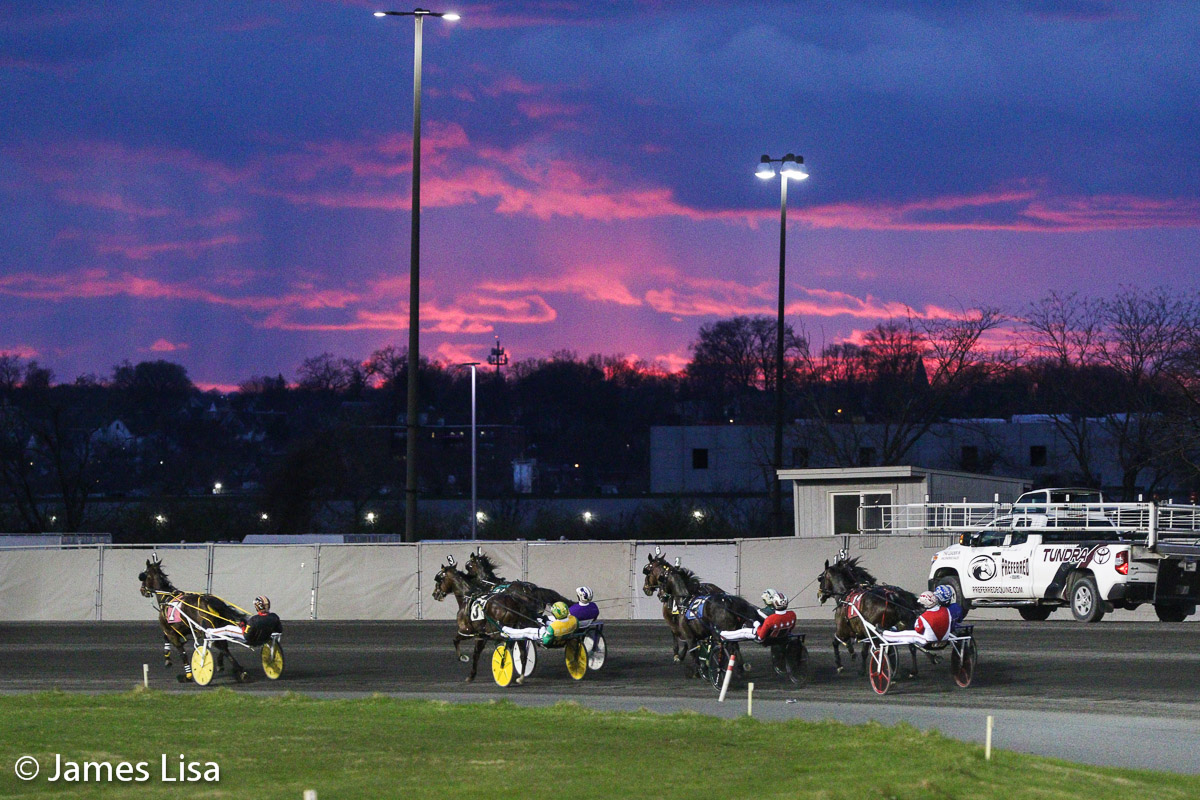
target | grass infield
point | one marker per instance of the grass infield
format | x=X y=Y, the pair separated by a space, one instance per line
x=380 y=747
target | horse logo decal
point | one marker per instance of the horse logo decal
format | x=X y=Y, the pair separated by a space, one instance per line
x=982 y=568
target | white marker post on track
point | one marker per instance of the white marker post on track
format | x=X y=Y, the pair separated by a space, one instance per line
x=750 y=699
x=728 y=675
x=987 y=742
x=146 y=675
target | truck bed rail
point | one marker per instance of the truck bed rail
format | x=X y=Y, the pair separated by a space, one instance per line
x=1169 y=528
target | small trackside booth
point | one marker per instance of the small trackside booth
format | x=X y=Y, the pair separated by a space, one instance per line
x=825 y=501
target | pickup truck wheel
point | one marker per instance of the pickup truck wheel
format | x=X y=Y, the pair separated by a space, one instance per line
x=1035 y=613
x=953 y=583
x=1086 y=604
x=1173 y=612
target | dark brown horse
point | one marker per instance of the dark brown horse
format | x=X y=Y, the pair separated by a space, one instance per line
x=498 y=609
x=656 y=572
x=715 y=613
x=482 y=571
x=205 y=610
x=882 y=605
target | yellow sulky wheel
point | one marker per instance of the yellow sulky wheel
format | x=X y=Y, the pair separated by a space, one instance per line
x=577 y=659
x=203 y=665
x=272 y=660
x=502 y=665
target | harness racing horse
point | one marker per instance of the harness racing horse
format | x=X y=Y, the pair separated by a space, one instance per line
x=656 y=572
x=882 y=605
x=206 y=610
x=481 y=571
x=705 y=615
x=498 y=609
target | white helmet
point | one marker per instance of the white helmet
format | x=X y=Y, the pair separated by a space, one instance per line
x=780 y=602
x=772 y=598
x=928 y=600
x=584 y=594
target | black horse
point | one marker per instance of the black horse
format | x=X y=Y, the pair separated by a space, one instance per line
x=882 y=605
x=206 y=610
x=482 y=571
x=704 y=616
x=656 y=572
x=498 y=609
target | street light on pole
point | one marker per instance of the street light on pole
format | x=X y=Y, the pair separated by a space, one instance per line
x=474 y=439
x=412 y=428
x=791 y=167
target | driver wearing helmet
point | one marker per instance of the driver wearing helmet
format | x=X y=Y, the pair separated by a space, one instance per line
x=258 y=628
x=780 y=620
x=559 y=624
x=777 y=620
x=934 y=624
x=945 y=596
x=585 y=611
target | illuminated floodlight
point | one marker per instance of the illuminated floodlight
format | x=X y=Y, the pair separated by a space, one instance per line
x=588 y=516
x=371 y=517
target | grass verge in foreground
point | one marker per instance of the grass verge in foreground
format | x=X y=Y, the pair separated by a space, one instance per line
x=275 y=747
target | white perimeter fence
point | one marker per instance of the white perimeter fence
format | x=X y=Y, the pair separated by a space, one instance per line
x=395 y=581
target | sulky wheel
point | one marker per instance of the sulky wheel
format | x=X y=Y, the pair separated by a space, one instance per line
x=502 y=665
x=272 y=660
x=962 y=664
x=880 y=668
x=718 y=662
x=577 y=660
x=203 y=664
x=524 y=656
x=593 y=643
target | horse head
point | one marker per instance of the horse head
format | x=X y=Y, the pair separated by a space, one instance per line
x=832 y=582
x=153 y=579
x=447 y=580
x=655 y=571
x=481 y=569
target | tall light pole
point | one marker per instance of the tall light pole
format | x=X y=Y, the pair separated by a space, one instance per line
x=790 y=167
x=474 y=439
x=412 y=426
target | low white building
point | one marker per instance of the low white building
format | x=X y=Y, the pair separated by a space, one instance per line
x=825 y=502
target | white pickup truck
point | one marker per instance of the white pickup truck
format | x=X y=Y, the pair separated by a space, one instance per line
x=1060 y=547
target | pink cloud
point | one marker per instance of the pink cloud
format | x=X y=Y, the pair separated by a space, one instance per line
x=111 y=201
x=21 y=351
x=95 y=283
x=471 y=314
x=1022 y=210
x=163 y=346
x=191 y=248
x=597 y=284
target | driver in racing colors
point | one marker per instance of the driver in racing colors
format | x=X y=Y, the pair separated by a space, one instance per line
x=559 y=625
x=934 y=624
x=585 y=611
x=777 y=620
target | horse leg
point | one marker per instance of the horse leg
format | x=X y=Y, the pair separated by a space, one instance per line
x=239 y=674
x=176 y=639
x=479 y=643
x=865 y=647
x=166 y=651
x=913 y=648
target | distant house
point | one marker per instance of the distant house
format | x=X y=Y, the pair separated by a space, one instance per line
x=115 y=434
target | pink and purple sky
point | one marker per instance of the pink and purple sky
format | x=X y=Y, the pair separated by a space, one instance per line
x=226 y=184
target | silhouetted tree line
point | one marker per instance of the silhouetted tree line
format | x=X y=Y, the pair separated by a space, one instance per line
x=317 y=451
